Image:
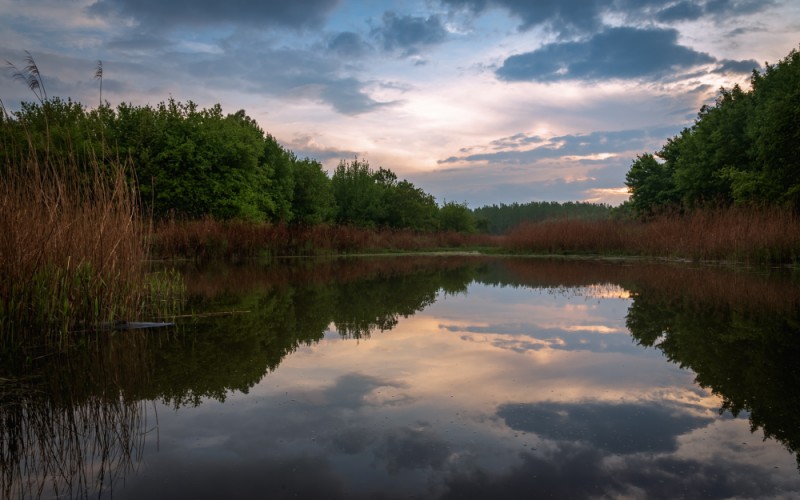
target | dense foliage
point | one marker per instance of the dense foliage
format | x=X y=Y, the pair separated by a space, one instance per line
x=194 y=163
x=501 y=218
x=370 y=198
x=743 y=150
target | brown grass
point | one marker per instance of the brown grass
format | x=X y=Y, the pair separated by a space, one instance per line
x=763 y=236
x=73 y=248
x=235 y=240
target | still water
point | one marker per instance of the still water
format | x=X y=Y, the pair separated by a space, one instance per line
x=426 y=377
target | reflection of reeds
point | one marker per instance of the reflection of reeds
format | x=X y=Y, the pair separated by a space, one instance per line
x=67 y=450
x=73 y=423
x=744 y=235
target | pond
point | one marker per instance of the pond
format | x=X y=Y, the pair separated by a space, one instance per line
x=426 y=377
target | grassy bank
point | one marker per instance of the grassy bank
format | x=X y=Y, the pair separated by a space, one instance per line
x=73 y=252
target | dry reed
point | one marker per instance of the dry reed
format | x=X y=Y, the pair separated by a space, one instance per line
x=72 y=249
x=236 y=240
x=752 y=236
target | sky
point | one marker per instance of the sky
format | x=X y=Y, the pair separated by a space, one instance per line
x=476 y=101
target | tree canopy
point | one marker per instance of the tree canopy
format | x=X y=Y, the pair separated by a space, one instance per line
x=744 y=149
x=191 y=163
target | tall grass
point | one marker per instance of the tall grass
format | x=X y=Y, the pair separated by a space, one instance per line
x=234 y=240
x=752 y=236
x=73 y=251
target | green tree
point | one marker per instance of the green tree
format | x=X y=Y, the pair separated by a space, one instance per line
x=652 y=185
x=456 y=217
x=744 y=149
x=775 y=131
x=408 y=206
x=716 y=144
x=313 y=201
x=358 y=194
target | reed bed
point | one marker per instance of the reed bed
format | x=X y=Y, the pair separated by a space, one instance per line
x=752 y=236
x=73 y=250
x=236 y=240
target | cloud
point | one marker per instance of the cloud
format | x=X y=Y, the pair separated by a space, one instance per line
x=729 y=8
x=409 y=448
x=616 y=53
x=575 y=471
x=571 y=18
x=681 y=11
x=305 y=146
x=738 y=67
x=409 y=34
x=294 y=73
x=521 y=338
x=567 y=17
x=347 y=96
x=586 y=146
x=169 y=14
x=619 y=428
x=349 y=45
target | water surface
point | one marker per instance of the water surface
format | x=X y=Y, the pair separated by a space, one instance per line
x=423 y=377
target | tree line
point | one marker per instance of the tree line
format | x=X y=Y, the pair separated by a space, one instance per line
x=498 y=219
x=742 y=150
x=191 y=162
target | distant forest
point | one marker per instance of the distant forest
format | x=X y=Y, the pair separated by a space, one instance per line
x=742 y=150
x=499 y=219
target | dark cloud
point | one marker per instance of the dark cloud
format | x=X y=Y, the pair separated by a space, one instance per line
x=570 y=18
x=738 y=67
x=728 y=8
x=409 y=34
x=625 y=53
x=567 y=17
x=575 y=471
x=412 y=448
x=139 y=43
x=165 y=14
x=681 y=11
x=619 y=428
x=285 y=72
x=515 y=141
x=348 y=97
x=349 y=45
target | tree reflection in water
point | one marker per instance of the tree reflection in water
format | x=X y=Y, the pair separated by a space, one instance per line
x=74 y=423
